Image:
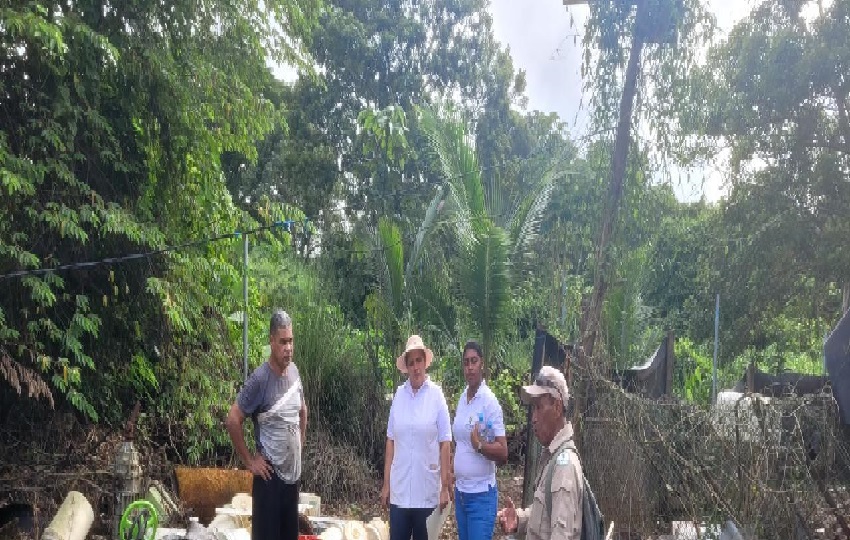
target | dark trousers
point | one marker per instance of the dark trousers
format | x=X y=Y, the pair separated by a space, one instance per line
x=407 y=522
x=274 y=509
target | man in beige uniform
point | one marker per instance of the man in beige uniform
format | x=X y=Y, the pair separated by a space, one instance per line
x=548 y=397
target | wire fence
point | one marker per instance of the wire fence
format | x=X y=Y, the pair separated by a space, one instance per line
x=776 y=467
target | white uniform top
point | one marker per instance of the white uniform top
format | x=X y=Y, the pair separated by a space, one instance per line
x=417 y=425
x=473 y=472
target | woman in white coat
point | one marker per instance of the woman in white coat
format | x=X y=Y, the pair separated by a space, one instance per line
x=417 y=463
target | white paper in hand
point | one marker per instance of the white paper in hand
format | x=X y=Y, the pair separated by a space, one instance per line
x=436 y=520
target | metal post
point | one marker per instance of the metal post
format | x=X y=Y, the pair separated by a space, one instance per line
x=716 y=342
x=245 y=306
x=532 y=445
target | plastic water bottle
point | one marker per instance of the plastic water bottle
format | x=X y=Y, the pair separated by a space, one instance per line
x=490 y=435
x=482 y=427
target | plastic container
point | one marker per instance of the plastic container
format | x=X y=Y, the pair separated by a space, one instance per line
x=382 y=527
x=377 y=530
x=331 y=533
x=354 y=530
x=435 y=521
x=313 y=504
x=235 y=534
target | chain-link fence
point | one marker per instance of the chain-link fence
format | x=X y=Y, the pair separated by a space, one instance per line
x=777 y=467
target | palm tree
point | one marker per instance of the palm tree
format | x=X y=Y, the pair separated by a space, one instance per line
x=396 y=300
x=494 y=234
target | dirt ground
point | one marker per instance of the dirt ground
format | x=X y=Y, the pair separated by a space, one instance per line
x=508 y=478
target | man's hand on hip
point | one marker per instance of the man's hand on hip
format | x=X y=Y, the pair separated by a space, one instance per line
x=260 y=467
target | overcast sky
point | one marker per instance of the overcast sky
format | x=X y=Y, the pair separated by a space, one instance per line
x=544 y=38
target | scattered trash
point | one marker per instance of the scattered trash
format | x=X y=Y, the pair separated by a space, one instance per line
x=139 y=521
x=332 y=533
x=73 y=519
x=162 y=500
x=436 y=520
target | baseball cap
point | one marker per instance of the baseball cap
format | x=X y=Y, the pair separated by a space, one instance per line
x=548 y=381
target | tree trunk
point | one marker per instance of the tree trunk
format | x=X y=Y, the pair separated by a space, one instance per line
x=619 y=161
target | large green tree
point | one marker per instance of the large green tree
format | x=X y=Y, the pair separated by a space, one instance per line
x=115 y=118
x=775 y=93
x=625 y=42
x=373 y=55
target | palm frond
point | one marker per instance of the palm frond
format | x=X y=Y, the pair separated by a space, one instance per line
x=486 y=269
x=389 y=240
x=527 y=213
x=525 y=221
x=496 y=197
x=424 y=228
x=450 y=147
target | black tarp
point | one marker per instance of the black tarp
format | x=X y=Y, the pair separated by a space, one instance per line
x=785 y=384
x=650 y=379
x=836 y=351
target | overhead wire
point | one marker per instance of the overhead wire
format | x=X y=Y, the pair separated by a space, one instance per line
x=143 y=254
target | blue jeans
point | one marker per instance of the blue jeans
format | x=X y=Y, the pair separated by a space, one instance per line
x=407 y=522
x=476 y=514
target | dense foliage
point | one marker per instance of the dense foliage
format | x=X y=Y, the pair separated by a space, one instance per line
x=419 y=193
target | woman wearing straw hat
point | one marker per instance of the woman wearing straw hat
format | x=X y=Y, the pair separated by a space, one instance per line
x=477 y=453
x=417 y=464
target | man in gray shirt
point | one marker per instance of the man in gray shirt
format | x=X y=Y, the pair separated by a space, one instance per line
x=274 y=399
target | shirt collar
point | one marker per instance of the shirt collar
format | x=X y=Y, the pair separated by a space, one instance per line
x=274 y=370
x=562 y=436
x=477 y=392
x=425 y=385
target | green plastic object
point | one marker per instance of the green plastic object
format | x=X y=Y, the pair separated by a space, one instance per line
x=139 y=521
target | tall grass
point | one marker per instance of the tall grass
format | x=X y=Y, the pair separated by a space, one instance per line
x=344 y=391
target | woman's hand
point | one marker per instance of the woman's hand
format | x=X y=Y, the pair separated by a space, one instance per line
x=385 y=495
x=445 y=497
x=475 y=438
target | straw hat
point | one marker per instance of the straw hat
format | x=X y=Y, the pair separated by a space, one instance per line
x=414 y=342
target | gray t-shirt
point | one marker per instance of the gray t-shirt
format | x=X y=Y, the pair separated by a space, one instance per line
x=273 y=403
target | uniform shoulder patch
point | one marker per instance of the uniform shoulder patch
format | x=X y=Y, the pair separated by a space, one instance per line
x=563 y=458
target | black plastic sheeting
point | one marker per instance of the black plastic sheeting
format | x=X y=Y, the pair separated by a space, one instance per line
x=649 y=379
x=785 y=384
x=836 y=351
